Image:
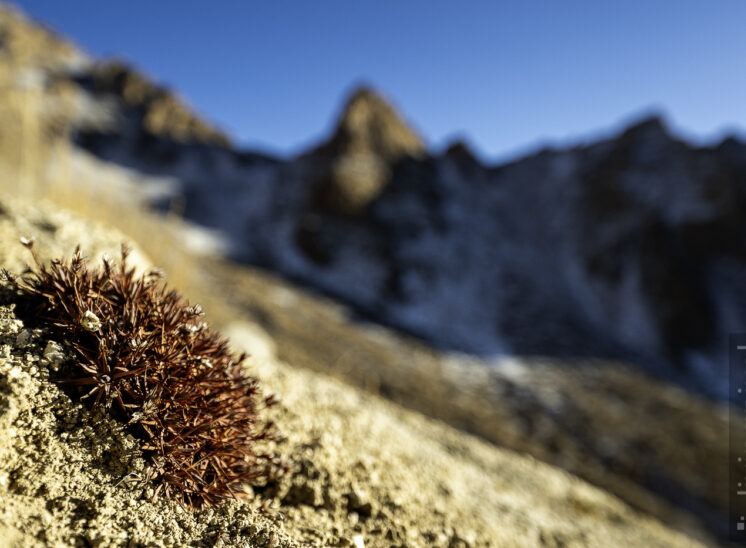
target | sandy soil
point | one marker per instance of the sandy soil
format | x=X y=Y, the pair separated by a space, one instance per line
x=646 y=441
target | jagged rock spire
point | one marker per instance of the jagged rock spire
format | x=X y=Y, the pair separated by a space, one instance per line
x=369 y=124
x=357 y=161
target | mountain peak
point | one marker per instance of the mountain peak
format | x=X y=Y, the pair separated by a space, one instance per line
x=370 y=124
x=460 y=151
x=162 y=112
x=651 y=125
x=369 y=139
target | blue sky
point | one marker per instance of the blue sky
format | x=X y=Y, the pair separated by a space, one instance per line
x=506 y=76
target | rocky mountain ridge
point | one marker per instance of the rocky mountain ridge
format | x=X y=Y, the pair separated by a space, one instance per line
x=629 y=248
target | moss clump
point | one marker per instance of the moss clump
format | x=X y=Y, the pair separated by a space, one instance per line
x=146 y=355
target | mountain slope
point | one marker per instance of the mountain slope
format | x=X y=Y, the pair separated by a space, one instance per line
x=361 y=467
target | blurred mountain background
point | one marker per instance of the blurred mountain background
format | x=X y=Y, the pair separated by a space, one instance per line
x=572 y=302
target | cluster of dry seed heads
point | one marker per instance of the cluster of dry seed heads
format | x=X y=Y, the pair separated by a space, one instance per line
x=147 y=356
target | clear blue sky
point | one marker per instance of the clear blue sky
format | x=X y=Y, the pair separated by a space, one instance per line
x=504 y=75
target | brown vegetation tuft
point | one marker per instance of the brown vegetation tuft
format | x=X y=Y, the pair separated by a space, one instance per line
x=146 y=355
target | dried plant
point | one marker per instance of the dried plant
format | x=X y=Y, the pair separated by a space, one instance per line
x=146 y=355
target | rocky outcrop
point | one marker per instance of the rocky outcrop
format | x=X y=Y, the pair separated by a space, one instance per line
x=26 y=43
x=157 y=111
x=35 y=59
x=356 y=163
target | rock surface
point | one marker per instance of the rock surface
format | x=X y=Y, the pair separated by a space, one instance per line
x=155 y=110
x=355 y=164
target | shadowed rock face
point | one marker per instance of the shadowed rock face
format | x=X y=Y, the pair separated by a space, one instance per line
x=664 y=213
x=644 y=243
